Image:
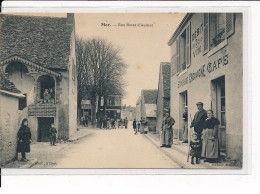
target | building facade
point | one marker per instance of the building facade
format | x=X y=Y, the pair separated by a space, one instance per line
x=9 y=119
x=163 y=95
x=207 y=66
x=113 y=106
x=38 y=54
x=148 y=108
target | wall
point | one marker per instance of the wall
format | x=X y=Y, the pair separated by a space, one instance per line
x=9 y=127
x=228 y=60
x=24 y=84
x=160 y=103
x=72 y=85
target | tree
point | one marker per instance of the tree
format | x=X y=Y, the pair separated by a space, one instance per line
x=100 y=71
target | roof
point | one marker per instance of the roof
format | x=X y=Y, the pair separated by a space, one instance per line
x=149 y=96
x=42 y=40
x=166 y=73
x=179 y=28
x=6 y=84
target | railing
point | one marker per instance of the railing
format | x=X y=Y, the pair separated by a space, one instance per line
x=42 y=110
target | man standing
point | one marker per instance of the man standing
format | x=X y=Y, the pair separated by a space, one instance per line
x=134 y=126
x=199 y=119
x=185 y=125
x=126 y=123
x=167 y=131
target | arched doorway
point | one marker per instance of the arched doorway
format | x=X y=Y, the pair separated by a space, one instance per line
x=46 y=89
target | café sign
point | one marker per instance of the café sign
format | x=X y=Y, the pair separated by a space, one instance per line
x=204 y=70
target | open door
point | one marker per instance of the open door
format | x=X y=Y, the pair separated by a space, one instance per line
x=219 y=108
x=44 y=124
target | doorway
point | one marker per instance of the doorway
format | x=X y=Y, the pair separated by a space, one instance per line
x=44 y=124
x=219 y=109
x=183 y=104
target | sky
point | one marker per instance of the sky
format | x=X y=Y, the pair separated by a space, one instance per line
x=143 y=48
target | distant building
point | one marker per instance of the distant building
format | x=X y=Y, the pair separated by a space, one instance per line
x=128 y=112
x=138 y=109
x=38 y=54
x=113 y=106
x=163 y=95
x=148 y=107
x=207 y=66
x=10 y=97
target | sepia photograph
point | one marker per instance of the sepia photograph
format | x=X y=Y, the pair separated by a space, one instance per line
x=122 y=90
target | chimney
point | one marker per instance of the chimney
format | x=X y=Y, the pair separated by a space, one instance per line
x=70 y=18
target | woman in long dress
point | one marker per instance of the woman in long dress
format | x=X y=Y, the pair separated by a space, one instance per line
x=167 y=131
x=24 y=139
x=210 y=142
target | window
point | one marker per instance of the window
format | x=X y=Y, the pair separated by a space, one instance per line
x=217 y=28
x=22 y=102
x=217 y=32
x=183 y=50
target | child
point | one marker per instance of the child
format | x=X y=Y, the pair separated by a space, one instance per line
x=195 y=151
x=46 y=96
x=53 y=133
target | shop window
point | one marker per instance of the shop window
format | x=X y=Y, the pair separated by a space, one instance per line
x=217 y=28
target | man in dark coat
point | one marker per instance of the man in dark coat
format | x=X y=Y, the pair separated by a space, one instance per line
x=199 y=119
x=53 y=133
x=134 y=126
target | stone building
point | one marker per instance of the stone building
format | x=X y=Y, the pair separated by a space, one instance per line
x=148 y=107
x=207 y=66
x=38 y=54
x=9 y=118
x=163 y=95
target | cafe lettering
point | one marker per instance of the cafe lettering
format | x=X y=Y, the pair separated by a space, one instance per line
x=210 y=67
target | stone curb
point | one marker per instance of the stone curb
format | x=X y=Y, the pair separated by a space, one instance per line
x=32 y=162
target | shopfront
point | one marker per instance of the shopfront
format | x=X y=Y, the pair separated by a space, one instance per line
x=210 y=71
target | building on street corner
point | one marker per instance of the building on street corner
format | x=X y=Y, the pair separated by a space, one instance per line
x=38 y=55
x=163 y=95
x=207 y=66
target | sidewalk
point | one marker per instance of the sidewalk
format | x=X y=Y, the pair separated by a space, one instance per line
x=41 y=150
x=179 y=154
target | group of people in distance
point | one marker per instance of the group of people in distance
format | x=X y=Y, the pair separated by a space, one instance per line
x=204 y=141
x=112 y=123
x=140 y=126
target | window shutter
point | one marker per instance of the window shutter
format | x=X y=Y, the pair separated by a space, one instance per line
x=230 y=24
x=178 y=54
x=206 y=33
x=173 y=65
x=188 y=46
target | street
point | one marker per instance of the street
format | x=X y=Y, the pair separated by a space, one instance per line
x=117 y=148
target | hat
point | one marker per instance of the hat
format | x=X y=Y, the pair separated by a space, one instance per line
x=166 y=110
x=199 y=103
x=185 y=106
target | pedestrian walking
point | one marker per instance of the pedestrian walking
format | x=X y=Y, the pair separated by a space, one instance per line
x=210 y=142
x=195 y=151
x=185 y=125
x=199 y=119
x=134 y=126
x=24 y=139
x=53 y=133
x=86 y=121
x=167 y=131
x=126 y=123
x=138 y=126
